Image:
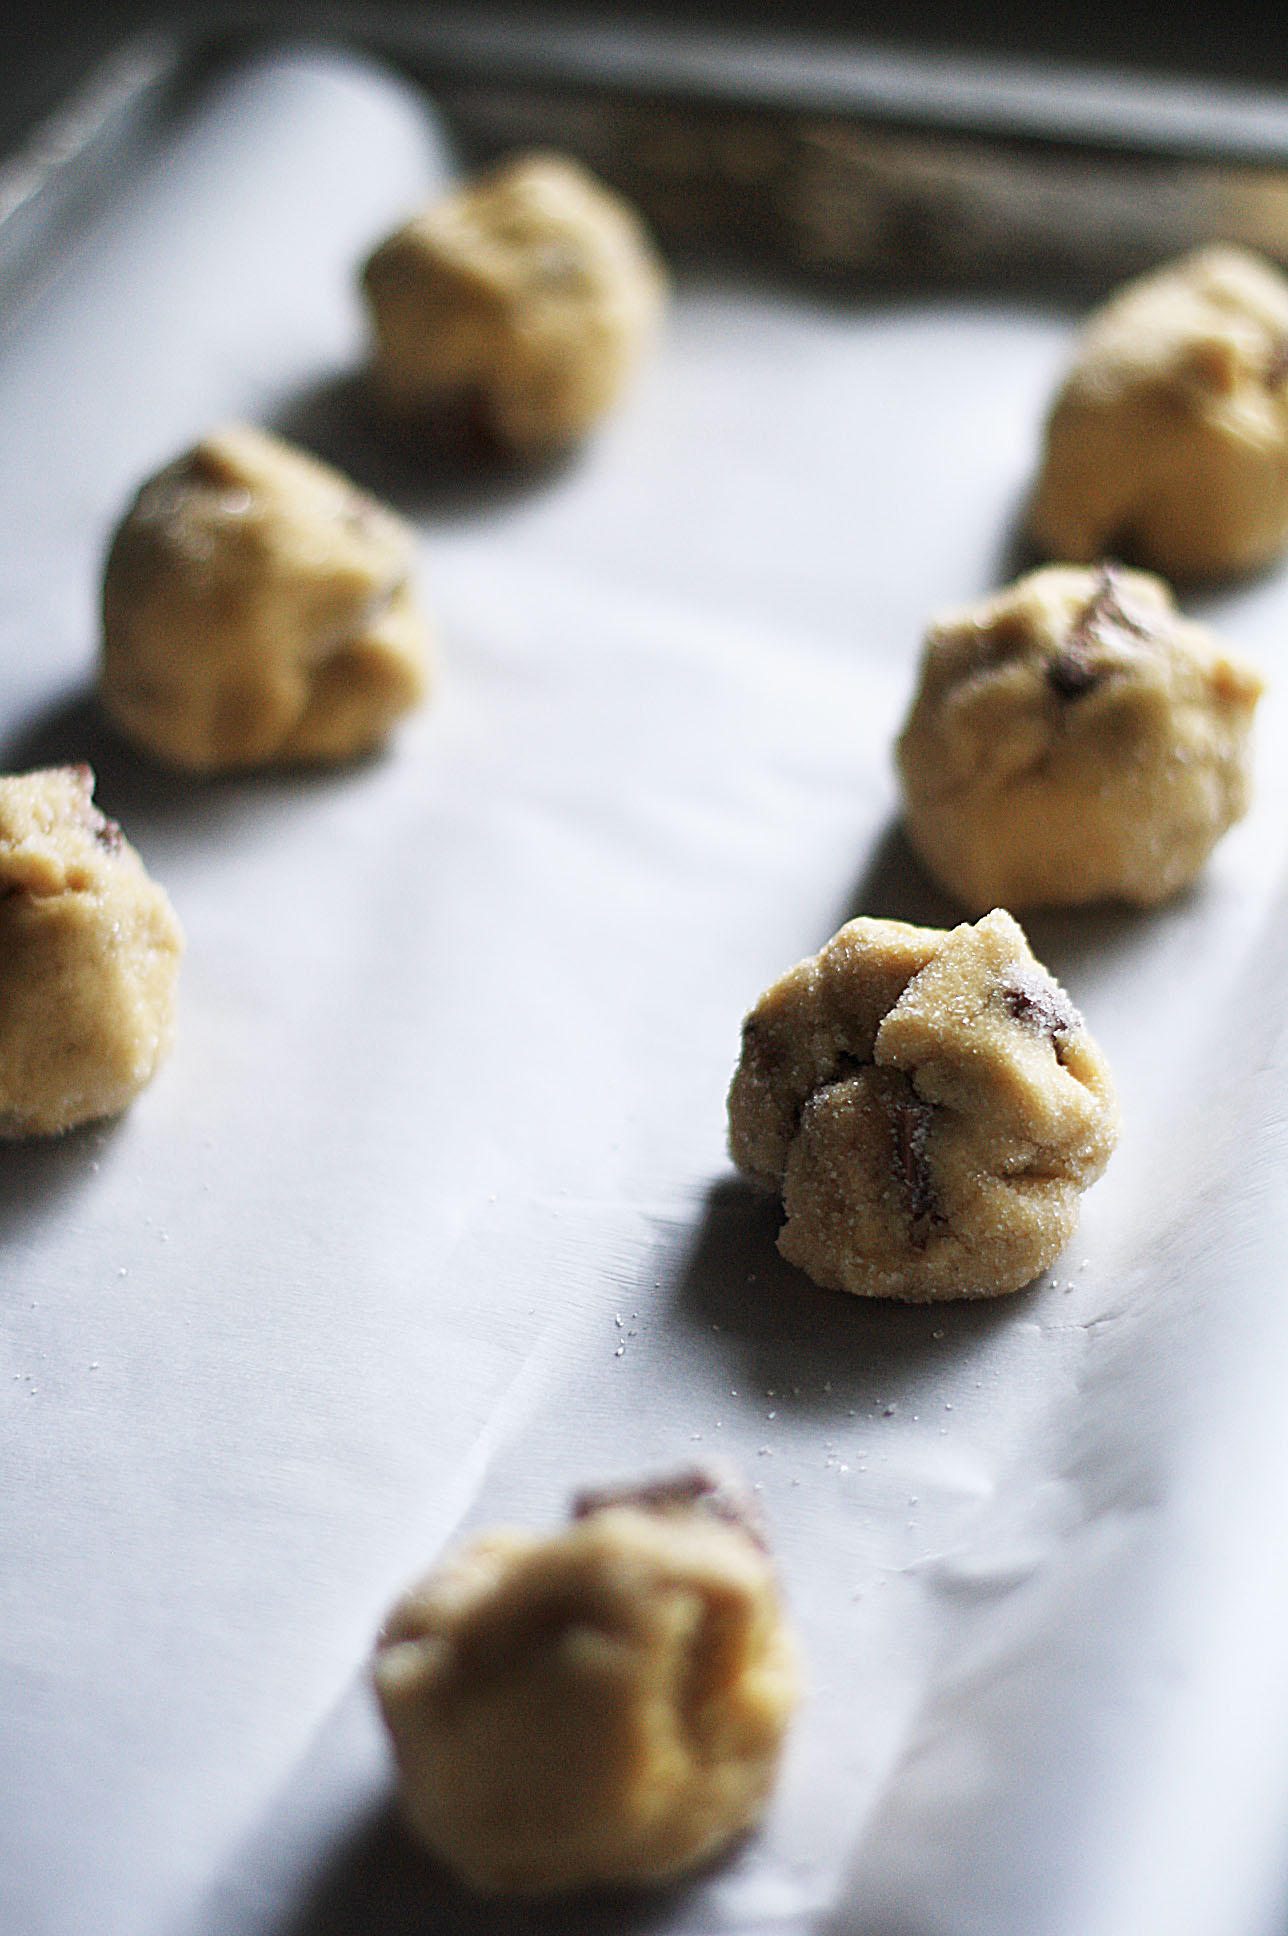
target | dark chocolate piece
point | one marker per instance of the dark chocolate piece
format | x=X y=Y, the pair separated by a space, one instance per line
x=1072 y=671
x=1040 y=1004
x=709 y=1489
x=912 y=1119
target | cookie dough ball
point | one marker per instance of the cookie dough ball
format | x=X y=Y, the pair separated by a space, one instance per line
x=930 y=1106
x=1074 y=739
x=258 y=610
x=605 y=1704
x=532 y=293
x=89 y=958
x=1168 y=443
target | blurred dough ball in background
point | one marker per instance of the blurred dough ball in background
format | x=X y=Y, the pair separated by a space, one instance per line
x=258 y=609
x=1167 y=444
x=530 y=295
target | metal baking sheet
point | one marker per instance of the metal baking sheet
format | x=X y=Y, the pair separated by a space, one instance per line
x=429 y=1219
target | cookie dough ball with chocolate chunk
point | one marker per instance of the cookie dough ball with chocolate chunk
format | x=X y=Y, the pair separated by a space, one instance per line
x=258 y=609
x=604 y=1704
x=1074 y=739
x=930 y=1106
x=89 y=958
x=1168 y=442
x=531 y=293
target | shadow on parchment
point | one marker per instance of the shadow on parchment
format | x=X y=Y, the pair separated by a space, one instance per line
x=895 y=887
x=147 y=796
x=1015 y=552
x=441 y=468
x=1201 y=595
x=76 y=730
x=820 y=1352
x=1067 y=939
x=38 y=1175
x=380 y=1884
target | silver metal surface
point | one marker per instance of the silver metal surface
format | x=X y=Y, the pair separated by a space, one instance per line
x=840 y=158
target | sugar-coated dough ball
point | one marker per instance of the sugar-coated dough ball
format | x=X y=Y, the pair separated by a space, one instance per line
x=1074 y=739
x=930 y=1106
x=604 y=1704
x=89 y=958
x=1168 y=442
x=258 y=609
x=533 y=292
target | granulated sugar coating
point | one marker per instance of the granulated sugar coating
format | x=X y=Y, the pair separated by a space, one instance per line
x=89 y=958
x=930 y=1106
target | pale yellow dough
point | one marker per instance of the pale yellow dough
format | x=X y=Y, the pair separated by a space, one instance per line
x=930 y=1105
x=258 y=609
x=89 y=958
x=532 y=292
x=604 y=1704
x=1168 y=442
x=1074 y=739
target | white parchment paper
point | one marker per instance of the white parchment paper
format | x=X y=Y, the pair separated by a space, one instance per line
x=429 y=1220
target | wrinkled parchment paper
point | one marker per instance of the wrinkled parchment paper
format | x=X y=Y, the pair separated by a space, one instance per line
x=430 y=1220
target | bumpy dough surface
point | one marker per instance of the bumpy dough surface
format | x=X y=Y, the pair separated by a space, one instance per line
x=605 y=1704
x=89 y=958
x=1168 y=442
x=533 y=292
x=258 y=609
x=1074 y=739
x=930 y=1106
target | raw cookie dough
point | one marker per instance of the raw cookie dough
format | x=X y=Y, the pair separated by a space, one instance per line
x=603 y=1704
x=533 y=292
x=1074 y=739
x=1168 y=442
x=258 y=609
x=930 y=1106
x=89 y=958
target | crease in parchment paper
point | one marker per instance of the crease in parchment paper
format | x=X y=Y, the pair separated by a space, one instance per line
x=992 y=1821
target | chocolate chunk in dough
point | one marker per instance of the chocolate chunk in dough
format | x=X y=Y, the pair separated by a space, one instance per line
x=602 y=1704
x=931 y=1107
x=1073 y=739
